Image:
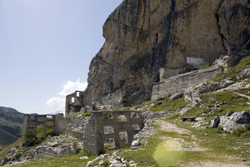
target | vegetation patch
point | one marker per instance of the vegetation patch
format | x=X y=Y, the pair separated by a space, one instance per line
x=18 y=154
x=80 y=114
x=168 y=153
x=67 y=161
x=220 y=143
x=126 y=103
x=243 y=132
x=218 y=104
x=203 y=67
x=231 y=72
x=169 y=105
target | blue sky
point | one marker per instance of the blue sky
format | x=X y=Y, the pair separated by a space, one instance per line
x=45 y=50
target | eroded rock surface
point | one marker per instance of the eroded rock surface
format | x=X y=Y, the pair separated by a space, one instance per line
x=143 y=37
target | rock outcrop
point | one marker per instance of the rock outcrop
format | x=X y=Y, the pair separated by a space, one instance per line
x=57 y=146
x=234 y=121
x=144 y=37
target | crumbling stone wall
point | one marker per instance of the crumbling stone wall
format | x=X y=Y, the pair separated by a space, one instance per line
x=73 y=102
x=179 y=83
x=101 y=129
x=107 y=127
x=31 y=122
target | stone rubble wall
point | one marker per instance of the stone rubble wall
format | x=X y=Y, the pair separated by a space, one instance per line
x=31 y=122
x=96 y=134
x=178 y=84
x=89 y=141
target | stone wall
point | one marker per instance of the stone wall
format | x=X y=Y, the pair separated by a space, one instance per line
x=59 y=124
x=177 y=84
x=89 y=141
x=111 y=128
x=73 y=102
x=97 y=132
x=31 y=122
x=73 y=126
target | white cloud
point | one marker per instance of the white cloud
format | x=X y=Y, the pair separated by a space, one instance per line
x=70 y=87
x=57 y=104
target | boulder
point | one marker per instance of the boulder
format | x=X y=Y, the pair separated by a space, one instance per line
x=240 y=117
x=229 y=125
x=244 y=73
x=176 y=96
x=226 y=61
x=215 y=122
x=234 y=121
x=135 y=143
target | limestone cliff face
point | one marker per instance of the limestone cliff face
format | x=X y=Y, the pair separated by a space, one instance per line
x=144 y=36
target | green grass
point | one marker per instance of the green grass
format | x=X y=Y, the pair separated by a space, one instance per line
x=6 y=139
x=82 y=115
x=186 y=137
x=244 y=91
x=229 y=102
x=220 y=143
x=6 y=149
x=232 y=72
x=216 y=144
x=67 y=161
x=126 y=103
x=143 y=157
x=203 y=67
x=169 y=105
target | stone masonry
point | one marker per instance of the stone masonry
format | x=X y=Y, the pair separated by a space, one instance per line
x=99 y=131
x=73 y=102
x=178 y=84
x=31 y=122
x=111 y=130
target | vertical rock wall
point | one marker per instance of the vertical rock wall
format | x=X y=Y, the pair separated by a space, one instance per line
x=143 y=36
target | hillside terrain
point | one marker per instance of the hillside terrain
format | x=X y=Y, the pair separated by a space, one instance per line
x=11 y=122
x=148 y=43
x=166 y=140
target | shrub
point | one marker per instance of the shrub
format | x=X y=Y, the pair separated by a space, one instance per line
x=31 y=139
x=107 y=115
x=18 y=154
x=242 y=131
x=126 y=103
x=106 y=163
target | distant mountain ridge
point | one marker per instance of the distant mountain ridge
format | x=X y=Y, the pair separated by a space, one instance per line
x=10 y=126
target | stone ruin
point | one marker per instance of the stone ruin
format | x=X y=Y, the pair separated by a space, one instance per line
x=31 y=122
x=111 y=129
x=105 y=129
x=74 y=102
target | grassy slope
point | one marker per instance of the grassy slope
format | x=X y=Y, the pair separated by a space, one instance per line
x=67 y=161
x=10 y=126
x=220 y=146
x=6 y=149
x=6 y=139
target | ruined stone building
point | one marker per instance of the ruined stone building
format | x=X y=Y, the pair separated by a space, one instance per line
x=102 y=129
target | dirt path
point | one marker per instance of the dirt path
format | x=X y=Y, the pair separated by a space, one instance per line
x=242 y=95
x=190 y=146
x=168 y=127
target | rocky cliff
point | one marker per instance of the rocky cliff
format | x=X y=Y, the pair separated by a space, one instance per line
x=145 y=36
